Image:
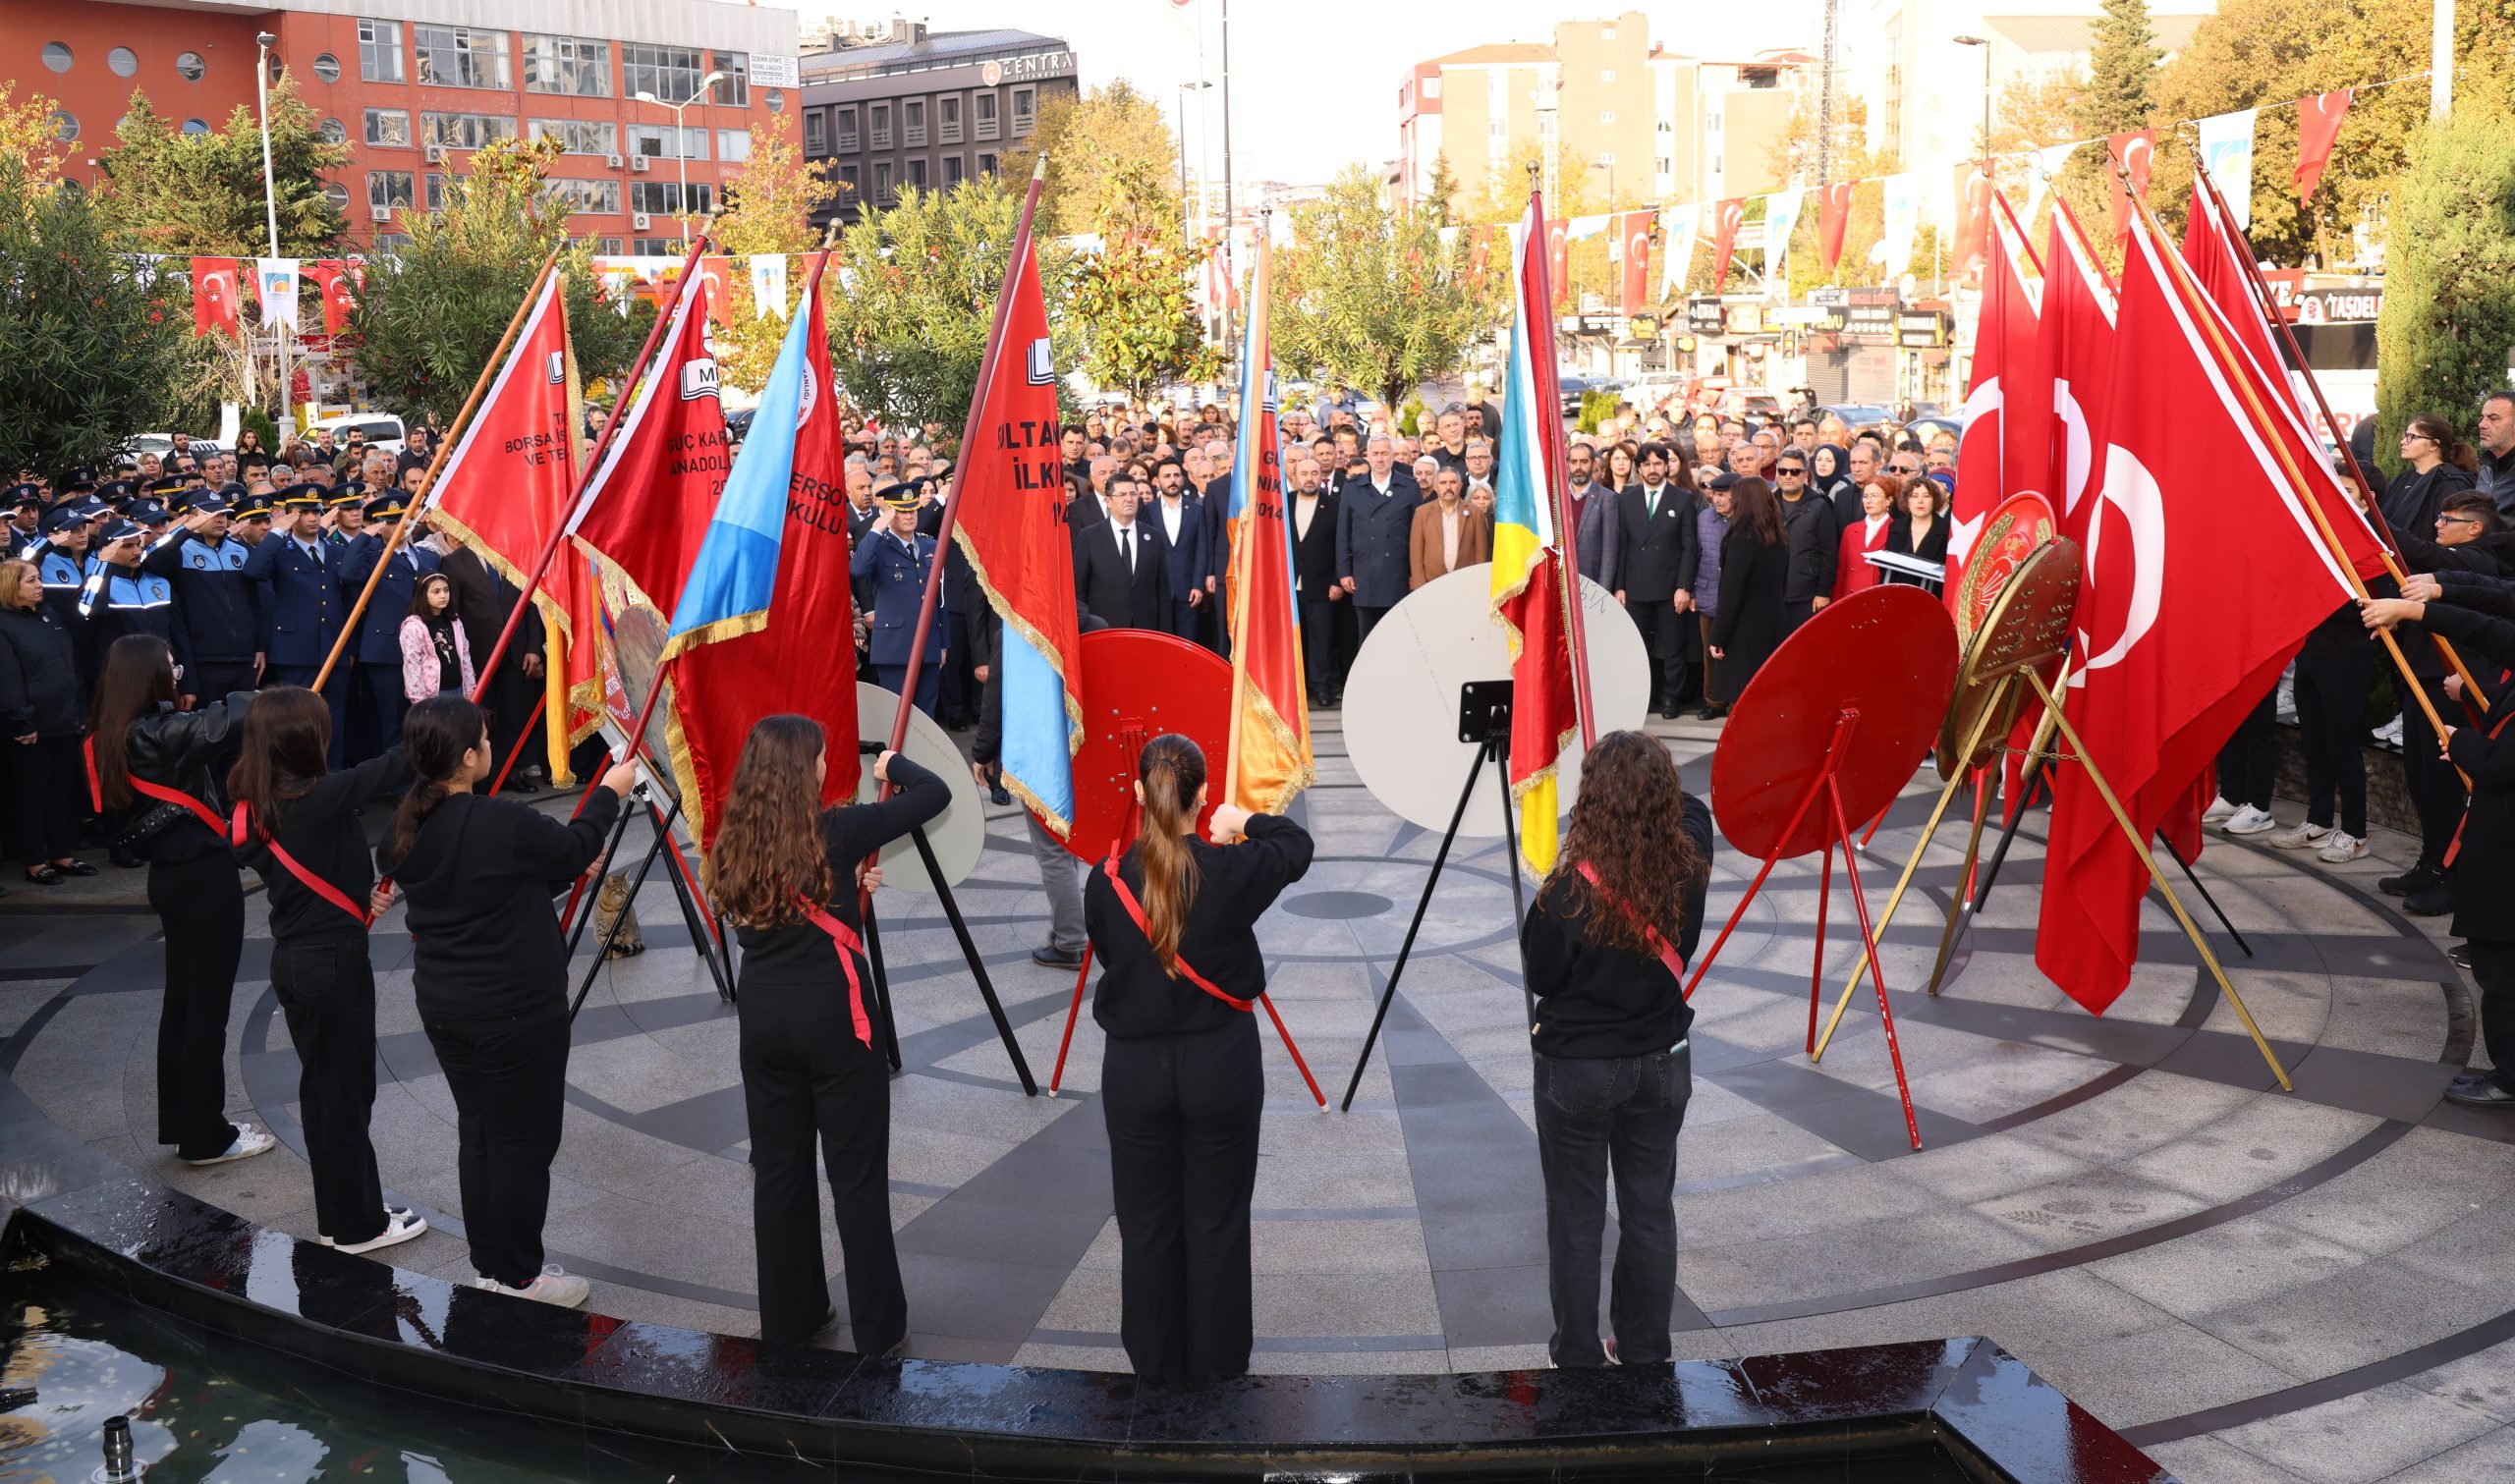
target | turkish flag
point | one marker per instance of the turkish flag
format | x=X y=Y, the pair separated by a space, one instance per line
x=1558 y=258
x=336 y=280
x=2318 y=126
x=2075 y=348
x=1634 y=228
x=1727 y=216
x=645 y=511
x=1833 y=215
x=719 y=274
x=214 y=294
x=2183 y=640
x=2007 y=443
x=2133 y=153
x=1973 y=218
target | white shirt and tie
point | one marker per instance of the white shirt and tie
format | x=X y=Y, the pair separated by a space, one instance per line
x=1126 y=535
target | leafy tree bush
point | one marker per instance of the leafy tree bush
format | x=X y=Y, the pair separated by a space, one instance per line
x=2449 y=282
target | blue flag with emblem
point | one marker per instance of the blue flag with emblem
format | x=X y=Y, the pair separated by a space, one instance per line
x=736 y=570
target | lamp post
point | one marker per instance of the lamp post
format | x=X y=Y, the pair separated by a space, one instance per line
x=1187 y=222
x=264 y=41
x=1985 y=43
x=681 y=140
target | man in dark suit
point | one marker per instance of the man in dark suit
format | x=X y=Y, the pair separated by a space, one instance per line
x=483 y=599
x=1312 y=513
x=1375 y=527
x=1122 y=564
x=302 y=605
x=1654 y=570
x=1181 y=515
x=1090 y=505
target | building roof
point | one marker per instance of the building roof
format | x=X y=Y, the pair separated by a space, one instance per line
x=951 y=48
x=1500 y=52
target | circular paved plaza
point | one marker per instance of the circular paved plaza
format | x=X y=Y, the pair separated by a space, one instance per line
x=2253 y=1285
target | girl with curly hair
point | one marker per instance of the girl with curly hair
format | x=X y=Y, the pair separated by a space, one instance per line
x=786 y=871
x=1605 y=946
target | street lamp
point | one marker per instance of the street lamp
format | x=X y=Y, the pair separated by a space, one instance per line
x=1986 y=45
x=264 y=41
x=681 y=140
x=1187 y=223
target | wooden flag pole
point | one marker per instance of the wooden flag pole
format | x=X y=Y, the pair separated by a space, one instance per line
x=427 y=486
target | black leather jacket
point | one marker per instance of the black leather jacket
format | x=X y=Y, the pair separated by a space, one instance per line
x=188 y=751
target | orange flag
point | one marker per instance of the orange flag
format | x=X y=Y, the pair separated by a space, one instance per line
x=1270 y=757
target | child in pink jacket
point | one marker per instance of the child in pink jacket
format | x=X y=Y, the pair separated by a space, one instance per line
x=434 y=657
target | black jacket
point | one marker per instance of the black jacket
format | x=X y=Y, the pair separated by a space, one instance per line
x=1315 y=554
x=478 y=879
x=1102 y=584
x=1815 y=541
x=2413 y=501
x=2489 y=557
x=482 y=600
x=221 y=610
x=2483 y=873
x=1656 y=558
x=799 y=953
x=1608 y=1002
x=1749 y=626
x=320 y=832
x=1933 y=548
x=38 y=675
x=1235 y=885
x=188 y=751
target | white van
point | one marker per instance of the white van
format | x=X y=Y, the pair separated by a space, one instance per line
x=383 y=430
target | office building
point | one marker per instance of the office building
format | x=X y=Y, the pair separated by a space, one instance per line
x=927 y=109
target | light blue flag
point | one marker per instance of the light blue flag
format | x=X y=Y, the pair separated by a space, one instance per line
x=736 y=572
x=2226 y=148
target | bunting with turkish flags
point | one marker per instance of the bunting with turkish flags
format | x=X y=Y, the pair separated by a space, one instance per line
x=1270 y=761
x=717 y=272
x=214 y=294
x=2131 y=153
x=2318 y=120
x=336 y=281
x=1833 y=216
x=1726 y=217
x=1633 y=229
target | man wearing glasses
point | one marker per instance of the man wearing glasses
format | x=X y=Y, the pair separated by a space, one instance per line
x=2463 y=517
x=1809 y=526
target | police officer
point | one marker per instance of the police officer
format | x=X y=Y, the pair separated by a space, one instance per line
x=251 y=520
x=129 y=600
x=296 y=573
x=377 y=699
x=26 y=518
x=61 y=559
x=221 y=620
x=896 y=561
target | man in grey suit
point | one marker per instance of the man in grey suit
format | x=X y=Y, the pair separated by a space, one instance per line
x=1374 y=522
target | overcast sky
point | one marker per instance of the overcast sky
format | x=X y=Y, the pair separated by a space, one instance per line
x=1315 y=86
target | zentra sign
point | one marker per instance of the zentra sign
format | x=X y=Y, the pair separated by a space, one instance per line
x=1027 y=68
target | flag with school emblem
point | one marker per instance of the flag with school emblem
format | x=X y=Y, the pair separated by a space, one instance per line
x=1269 y=760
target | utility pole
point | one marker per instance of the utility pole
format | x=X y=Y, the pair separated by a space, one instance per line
x=1230 y=202
x=1825 y=101
x=2440 y=61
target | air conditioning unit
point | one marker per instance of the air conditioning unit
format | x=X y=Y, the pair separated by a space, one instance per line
x=436 y=154
x=613 y=161
x=381 y=213
x=640 y=162
x=640 y=220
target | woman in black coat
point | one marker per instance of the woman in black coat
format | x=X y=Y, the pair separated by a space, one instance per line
x=1920 y=529
x=40 y=721
x=1754 y=567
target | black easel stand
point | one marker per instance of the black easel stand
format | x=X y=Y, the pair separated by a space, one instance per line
x=881 y=986
x=637 y=883
x=693 y=915
x=601 y=871
x=1485 y=719
x=977 y=966
x=2009 y=833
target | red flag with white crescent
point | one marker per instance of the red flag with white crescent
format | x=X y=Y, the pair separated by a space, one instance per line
x=1558 y=258
x=2076 y=347
x=214 y=296
x=2008 y=410
x=719 y=274
x=1635 y=228
x=1833 y=216
x=1726 y=217
x=2318 y=120
x=2132 y=152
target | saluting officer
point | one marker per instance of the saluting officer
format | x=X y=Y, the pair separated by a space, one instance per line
x=130 y=601
x=897 y=561
x=375 y=693
x=61 y=559
x=221 y=617
x=294 y=572
x=347 y=506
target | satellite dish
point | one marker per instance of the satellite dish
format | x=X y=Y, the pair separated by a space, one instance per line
x=959 y=834
x=1401 y=698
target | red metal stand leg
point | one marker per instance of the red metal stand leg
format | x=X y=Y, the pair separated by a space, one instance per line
x=1072 y=1011
x=1875 y=824
x=1816 y=976
x=1277 y=1017
x=1843 y=726
x=1877 y=975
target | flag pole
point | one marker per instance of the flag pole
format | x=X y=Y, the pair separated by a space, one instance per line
x=1244 y=553
x=2297 y=358
x=2014 y=226
x=427 y=486
x=1548 y=412
x=2196 y=305
x=969 y=434
x=584 y=471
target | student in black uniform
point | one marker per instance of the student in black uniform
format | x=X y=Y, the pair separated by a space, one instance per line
x=160 y=778
x=298 y=826
x=1605 y=945
x=1173 y=925
x=785 y=869
x=490 y=974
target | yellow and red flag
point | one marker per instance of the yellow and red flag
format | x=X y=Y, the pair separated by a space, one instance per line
x=1271 y=757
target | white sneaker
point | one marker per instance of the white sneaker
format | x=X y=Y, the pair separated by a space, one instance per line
x=2341 y=849
x=2250 y=820
x=2298 y=836
x=399 y=1227
x=555 y=1285
x=2218 y=809
x=249 y=1141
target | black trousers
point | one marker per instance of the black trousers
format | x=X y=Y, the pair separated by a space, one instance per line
x=1366 y=619
x=336 y=694
x=806 y=1078
x=1183 y=1114
x=378 y=704
x=1795 y=614
x=47 y=793
x=509 y=699
x=2249 y=764
x=1593 y=1114
x=326 y=989
x=509 y=1076
x=2436 y=789
x=2331 y=722
x=1318 y=644
x=958 y=689
x=2493 y=966
x=1664 y=633
x=201 y=905
x=1710 y=665
x=214 y=679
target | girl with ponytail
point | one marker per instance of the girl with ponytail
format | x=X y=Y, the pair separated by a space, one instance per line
x=1173 y=923
x=787 y=871
x=489 y=970
x=158 y=775
x=296 y=823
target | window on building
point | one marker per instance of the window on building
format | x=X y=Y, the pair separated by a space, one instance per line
x=435 y=191
x=389 y=188
x=466 y=131
x=947 y=118
x=984 y=113
x=1431 y=88
x=655 y=246
x=609 y=247
x=189 y=66
x=334 y=131
x=774 y=98
x=815 y=133
x=1606 y=115
x=578 y=66
x=580 y=135
x=1607 y=74
x=196 y=126
x=123 y=60
x=338 y=195
x=589 y=198
x=64 y=125
x=57 y=56
x=462 y=56
x=1606 y=158
x=1026 y=110
x=882 y=182
x=881 y=123
x=732 y=145
x=953 y=171
x=327 y=67
x=986 y=164
x=917 y=172
x=388 y=127
x=913 y=122
x=380 y=51
x=664 y=197
x=661 y=141
x=847 y=138
x=668 y=73
x=733 y=90
x=850 y=181
x=1606 y=32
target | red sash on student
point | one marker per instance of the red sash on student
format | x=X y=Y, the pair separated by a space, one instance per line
x=2454 y=847
x=849 y=945
x=147 y=789
x=1668 y=955
x=236 y=836
x=1135 y=909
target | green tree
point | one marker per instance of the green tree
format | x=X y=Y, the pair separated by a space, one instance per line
x=768 y=209
x=180 y=193
x=2122 y=66
x=1371 y=297
x=2449 y=276
x=1132 y=300
x=431 y=315
x=90 y=345
x=1440 y=193
x=1081 y=135
x=28 y=133
x=918 y=283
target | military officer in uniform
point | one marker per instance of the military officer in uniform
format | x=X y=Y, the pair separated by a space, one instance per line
x=376 y=697
x=217 y=604
x=896 y=561
x=347 y=506
x=294 y=572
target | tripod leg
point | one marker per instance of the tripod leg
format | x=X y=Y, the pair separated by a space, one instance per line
x=2212 y=902
x=602 y=868
x=1511 y=850
x=612 y=933
x=1423 y=903
x=1877 y=972
x=1285 y=1031
x=2026 y=783
x=1982 y=798
x=1816 y=787
x=881 y=982
x=1816 y=975
x=1956 y=906
x=978 y=969
x=1073 y=1012
x=694 y=917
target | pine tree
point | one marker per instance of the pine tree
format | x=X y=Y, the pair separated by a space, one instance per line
x=1440 y=193
x=2122 y=65
x=202 y=193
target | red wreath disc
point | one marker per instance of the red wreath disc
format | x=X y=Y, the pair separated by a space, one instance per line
x=1138 y=684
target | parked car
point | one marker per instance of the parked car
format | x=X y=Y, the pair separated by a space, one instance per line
x=383 y=430
x=1923 y=427
x=1858 y=415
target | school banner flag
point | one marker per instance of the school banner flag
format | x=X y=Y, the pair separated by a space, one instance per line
x=769 y=284
x=275 y=289
x=645 y=511
x=1782 y=219
x=2226 y=148
x=1271 y=755
x=1903 y=218
x=1678 y=227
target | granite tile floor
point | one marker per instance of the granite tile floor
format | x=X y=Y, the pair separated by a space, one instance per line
x=2256 y=1284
